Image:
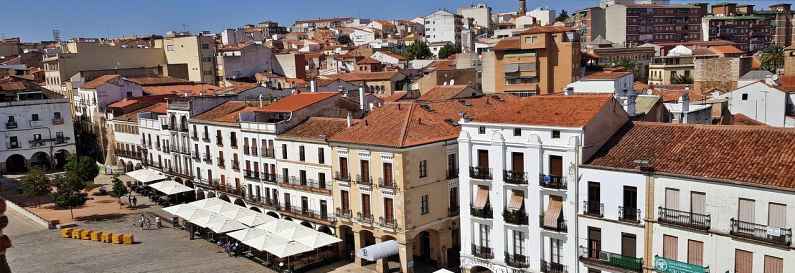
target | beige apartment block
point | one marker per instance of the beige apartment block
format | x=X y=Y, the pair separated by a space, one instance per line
x=196 y=53
x=541 y=60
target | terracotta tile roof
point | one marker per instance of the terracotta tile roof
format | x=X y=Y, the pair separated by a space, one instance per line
x=368 y=60
x=509 y=43
x=561 y=111
x=396 y=96
x=752 y=155
x=740 y=119
x=407 y=124
x=182 y=89
x=99 y=81
x=787 y=83
x=297 y=102
x=393 y=55
x=607 y=75
x=160 y=108
x=317 y=128
x=443 y=92
x=126 y=102
x=366 y=76
x=148 y=81
x=227 y=112
x=726 y=49
x=545 y=29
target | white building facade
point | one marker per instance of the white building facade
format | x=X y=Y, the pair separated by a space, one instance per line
x=443 y=26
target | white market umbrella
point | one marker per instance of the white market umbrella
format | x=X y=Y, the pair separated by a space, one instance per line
x=255 y=219
x=225 y=225
x=170 y=187
x=146 y=175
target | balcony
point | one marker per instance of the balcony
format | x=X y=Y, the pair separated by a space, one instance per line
x=164 y=126
x=219 y=142
x=269 y=153
x=267 y=177
x=387 y=185
x=389 y=224
x=611 y=260
x=343 y=179
x=307 y=214
x=484 y=212
x=512 y=177
x=515 y=217
x=11 y=125
x=221 y=163
x=551 y=267
x=552 y=182
x=57 y=121
x=196 y=156
x=516 y=260
x=773 y=235
x=482 y=252
x=594 y=209
x=683 y=218
x=194 y=138
x=364 y=180
x=343 y=214
x=366 y=219
x=480 y=173
x=206 y=138
x=236 y=165
x=61 y=140
x=307 y=185
x=558 y=226
x=452 y=173
x=245 y=150
x=254 y=151
x=207 y=159
x=630 y=215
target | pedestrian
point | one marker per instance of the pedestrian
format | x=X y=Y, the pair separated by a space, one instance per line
x=129 y=200
x=228 y=248
x=141 y=221
x=134 y=202
x=157 y=222
x=235 y=248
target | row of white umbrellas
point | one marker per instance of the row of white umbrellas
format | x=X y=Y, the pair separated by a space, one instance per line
x=170 y=187
x=279 y=237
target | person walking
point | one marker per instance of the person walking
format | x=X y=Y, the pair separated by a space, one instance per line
x=157 y=222
x=134 y=202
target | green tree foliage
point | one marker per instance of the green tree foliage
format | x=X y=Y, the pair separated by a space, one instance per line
x=119 y=189
x=83 y=167
x=563 y=16
x=448 y=50
x=418 y=50
x=772 y=59
x=35 y=184
x=68 y=192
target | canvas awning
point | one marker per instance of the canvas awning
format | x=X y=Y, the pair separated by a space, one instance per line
x=170 y=187
x=378 y=251
x=515 y=203
x=225 y=225
x=146 y=176
x=481 y=197
x=263 y=240
x=553 y=212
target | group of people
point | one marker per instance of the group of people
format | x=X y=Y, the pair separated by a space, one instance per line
x=231 y=247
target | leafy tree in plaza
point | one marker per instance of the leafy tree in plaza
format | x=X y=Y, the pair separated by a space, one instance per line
x=448 y=50
x=418 y=50
x=69 y=191
x=35 y=184
x=119 y=189
x=772 y=59
x=83 y=167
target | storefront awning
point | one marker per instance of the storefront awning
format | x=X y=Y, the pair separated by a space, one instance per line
x=146 y=176
x=379 y=250
x=170 y=187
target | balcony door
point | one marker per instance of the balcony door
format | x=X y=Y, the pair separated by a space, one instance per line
x=387 y=174
x=628 y=245
x=517 y=163
x=365 y=170
x=556 y=165
x=630 y=203
x=344 y=201
x=388 y=210
x=323 y=209
x=483 y=159
x=745 y=210
x=343 y=167
x=366 y=205
x=594 y=242
x=594 y=196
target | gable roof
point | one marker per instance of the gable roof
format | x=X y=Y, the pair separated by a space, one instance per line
x=297 y=102
x=182 y=89
x=561 y=111
x=160 y=108
x=408 y=124
x=227 y=112
x=509 y=43
x=755 y=75
x=99 y=81
x=752 y=155
x=316 y=128
x=443 y=92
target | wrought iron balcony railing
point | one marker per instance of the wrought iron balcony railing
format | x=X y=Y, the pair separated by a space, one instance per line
x=775 y=235
x=683 y=218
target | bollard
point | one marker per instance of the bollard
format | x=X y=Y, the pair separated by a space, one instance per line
x=96 y=235
x=106 y=237
x=117 y=238
x=85 y=234
x=128 y=239
x=76 y=233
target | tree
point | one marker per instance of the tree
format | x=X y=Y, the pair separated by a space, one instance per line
x=119 y=189
x=563 y=16
x=344 y=39
x=448 y=50
x=68 y=193
x=36 y=184
x=83 y=167
x=772 y=59
x=418 y=50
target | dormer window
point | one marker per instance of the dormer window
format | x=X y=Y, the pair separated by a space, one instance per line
x=517 y=132
x=555 y=134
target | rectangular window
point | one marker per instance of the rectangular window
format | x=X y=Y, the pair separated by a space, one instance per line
x=34 y=117
x=423 y=168
x=13 y=142
x=321 y=180
x=366 y=204
x=517 y=132
x=518 y=242
x=481 y=130
x=344 y=200
x=285 y=175
x=301 y=153
x=555 y=134
x=304 y=204
x=672 y=198
x=388 y=174
x=233 y=139
x=743 y=261
x=695 y=252
x=670 y=246
x=302 y=177
x=698 y=202
x=284 y=151
x=485 y=233
x=773 y=264
x=321 y=156
x=745 y=210
x=483 y=159
x=287 y=200
x=364 y=170
x=424 y=209
x=389 y=210
x=777 y=215
x=344 y=167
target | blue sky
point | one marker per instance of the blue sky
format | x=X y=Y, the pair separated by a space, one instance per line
x=34 y=20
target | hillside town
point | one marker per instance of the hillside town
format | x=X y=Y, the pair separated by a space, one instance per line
x=600 y=140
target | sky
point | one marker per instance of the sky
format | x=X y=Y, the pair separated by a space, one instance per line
x=35 y=20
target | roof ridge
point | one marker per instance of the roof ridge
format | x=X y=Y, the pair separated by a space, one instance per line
x=404 y=130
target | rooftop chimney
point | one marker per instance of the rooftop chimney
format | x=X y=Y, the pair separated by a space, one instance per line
x=685 y=100
x=361 y=98
x=522 y=7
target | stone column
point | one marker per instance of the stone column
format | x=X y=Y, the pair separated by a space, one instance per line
x=380 y=263
x=357 y=243
x=406 y=253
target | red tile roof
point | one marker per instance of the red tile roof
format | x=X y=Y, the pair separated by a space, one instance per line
x=368 y=60
x=148 y=81
x=317 y=128
x=99 y=81
x=160 y=108
x=546 y=29
x=365 y=76
x=182 y=89
x=726 y=49
x=443 y=92
x=509 y=43
x=751 y=155
x=407 y=124
x=562 y=111
x=607 y=75
x=229 y=112
x=297 y=102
